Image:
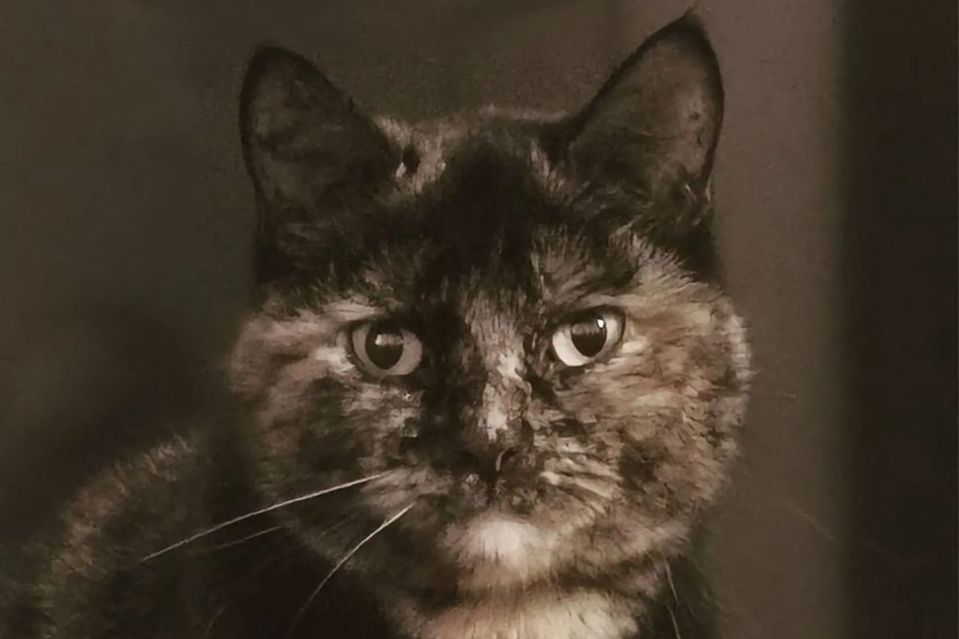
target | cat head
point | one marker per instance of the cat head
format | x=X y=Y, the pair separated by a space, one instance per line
x=510 y=322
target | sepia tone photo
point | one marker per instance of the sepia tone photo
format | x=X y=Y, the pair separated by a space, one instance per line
x=469 y=319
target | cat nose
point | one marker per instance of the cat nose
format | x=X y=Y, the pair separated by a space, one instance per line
x=487 y=461
x=491 y=457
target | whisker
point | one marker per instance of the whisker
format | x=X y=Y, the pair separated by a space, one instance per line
x=669 y=579
x=388 y=522
x=672 y=616
x=241 y=540
x=244 y=583
x=215 y=618
x=672 y=587
x=261 y=511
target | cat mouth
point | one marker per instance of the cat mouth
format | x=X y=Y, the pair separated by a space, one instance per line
x=470 y=495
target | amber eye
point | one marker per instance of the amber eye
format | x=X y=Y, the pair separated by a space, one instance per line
x=587 y=335
x=385 y=348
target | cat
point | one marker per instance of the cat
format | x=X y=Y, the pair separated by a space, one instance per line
x=488 y=387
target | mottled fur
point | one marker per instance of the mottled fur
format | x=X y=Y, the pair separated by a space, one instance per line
x=480 y=235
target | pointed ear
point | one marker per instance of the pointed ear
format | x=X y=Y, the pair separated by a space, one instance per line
x=310 y=155
x=653 y=127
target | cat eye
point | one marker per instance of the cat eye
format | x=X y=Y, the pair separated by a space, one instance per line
x=588 y=335
x=386 y=349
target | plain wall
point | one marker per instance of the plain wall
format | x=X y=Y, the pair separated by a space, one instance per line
x=126 y=220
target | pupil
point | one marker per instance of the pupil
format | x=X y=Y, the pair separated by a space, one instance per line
x=589 y=335
x=384 y=346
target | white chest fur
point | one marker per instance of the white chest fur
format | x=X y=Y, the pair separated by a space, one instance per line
x=543 y=614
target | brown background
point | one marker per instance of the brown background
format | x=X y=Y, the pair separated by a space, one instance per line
x=125 y=223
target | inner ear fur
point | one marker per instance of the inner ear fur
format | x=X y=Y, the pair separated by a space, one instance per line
x=653 y=127
x=310 y=153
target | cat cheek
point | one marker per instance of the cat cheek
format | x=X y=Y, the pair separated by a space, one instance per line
x=382 y=419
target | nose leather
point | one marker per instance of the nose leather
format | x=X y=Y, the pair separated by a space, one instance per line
x=488 y=456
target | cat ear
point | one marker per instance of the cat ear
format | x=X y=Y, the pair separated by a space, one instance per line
x=310 y=153
x=652 y=128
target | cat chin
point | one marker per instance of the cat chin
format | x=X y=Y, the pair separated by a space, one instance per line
x=497 y=550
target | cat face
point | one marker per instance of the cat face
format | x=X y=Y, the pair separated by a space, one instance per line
x=506 y=322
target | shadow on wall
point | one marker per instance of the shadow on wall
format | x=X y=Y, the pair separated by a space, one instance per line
x=77 y=390
x=900 y=290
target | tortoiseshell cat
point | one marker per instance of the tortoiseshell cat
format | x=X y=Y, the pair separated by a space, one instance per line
x=488 y=389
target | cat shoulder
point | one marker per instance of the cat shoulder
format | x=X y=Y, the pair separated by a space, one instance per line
x=134 y=500
x=104 y=532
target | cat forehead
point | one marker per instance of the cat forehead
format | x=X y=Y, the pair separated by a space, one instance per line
x=478 y=212
x=552 y=267
x=483 y=211
x=436 y=145
x=468 y=199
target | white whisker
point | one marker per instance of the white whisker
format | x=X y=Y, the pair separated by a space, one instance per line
x=669 y=579
x=672 y=588
x=216 y=617
x=388 y=522
x=241 y=540
x=261 y=511
x=672 y=616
